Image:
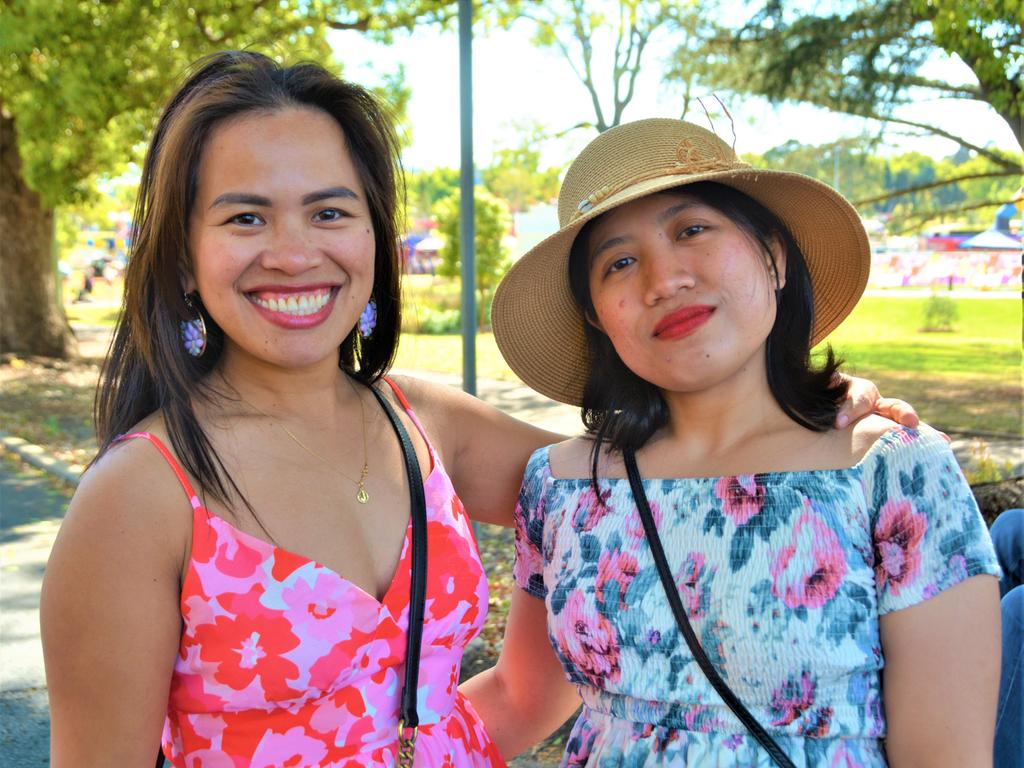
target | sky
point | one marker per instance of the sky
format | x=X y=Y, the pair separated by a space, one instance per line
x=514 y=81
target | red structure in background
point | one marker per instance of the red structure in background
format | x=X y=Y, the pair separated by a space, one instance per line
x=948 y=240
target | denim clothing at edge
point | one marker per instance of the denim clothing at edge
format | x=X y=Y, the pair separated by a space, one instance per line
x=1008 y=538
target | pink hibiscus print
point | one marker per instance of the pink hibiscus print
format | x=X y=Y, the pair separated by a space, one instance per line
x=791 y=699
x=291 y=748
x=248 y=647
x=742 y=497
x=590 y=509
x=618 y=567
x=898 y=537
x=587 y=638
x=808 y=571
x=319 y=610
x=692 y=584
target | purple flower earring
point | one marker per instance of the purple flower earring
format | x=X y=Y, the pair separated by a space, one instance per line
x=193 y=332
x=368 y=320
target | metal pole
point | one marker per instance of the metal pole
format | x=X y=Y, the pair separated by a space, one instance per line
x=467 y=216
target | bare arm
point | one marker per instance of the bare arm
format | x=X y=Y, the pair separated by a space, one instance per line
x=525 y=696
x=109 y=612
x=941 y=677
x=484 y=450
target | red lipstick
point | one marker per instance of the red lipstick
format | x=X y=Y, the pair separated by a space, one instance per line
x=682 y=322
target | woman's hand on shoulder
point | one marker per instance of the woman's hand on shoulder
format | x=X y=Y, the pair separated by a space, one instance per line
x=109 y=609
x=483 y=449
x=863 y=398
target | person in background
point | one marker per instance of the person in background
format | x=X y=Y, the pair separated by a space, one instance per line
x=1008 y=538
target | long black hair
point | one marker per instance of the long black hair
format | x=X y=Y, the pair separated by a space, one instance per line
x=147 y=368
x=624 y=410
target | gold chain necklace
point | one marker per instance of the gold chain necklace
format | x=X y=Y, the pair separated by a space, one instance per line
x=361 y=494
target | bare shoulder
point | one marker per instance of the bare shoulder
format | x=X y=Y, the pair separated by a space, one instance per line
x=572 y=458
x=458 y=421
x=867 y=431
x=863 y=434
x=435 y=405
x=429 y=396
x=423 y=395
x=131 y=498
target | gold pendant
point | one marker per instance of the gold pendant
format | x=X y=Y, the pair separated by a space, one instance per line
x=362 y=496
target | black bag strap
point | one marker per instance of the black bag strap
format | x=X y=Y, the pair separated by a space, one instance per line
x=418 y=585
x=672 y=592
x=408 y=718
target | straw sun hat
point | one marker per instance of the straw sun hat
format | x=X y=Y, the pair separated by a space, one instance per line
x=537 y=325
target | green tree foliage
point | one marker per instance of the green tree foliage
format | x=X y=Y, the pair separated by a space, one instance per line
x=902 y=188
x=515 y=174
x=492 y=260
x=869 y=58
x=426 y=189
x=83 y=81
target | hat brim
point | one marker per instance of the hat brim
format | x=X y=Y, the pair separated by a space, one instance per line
x=539 y=329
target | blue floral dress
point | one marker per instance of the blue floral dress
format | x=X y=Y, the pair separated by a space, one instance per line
x=784 y=576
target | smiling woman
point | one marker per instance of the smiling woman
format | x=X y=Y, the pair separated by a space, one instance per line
x=280 y=237
x=243 y=567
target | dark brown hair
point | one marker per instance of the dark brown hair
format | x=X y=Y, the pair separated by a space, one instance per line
x=147 y=368
x=621 y=408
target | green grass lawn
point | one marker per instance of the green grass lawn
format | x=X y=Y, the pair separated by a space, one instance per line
x=965 y=380
x=968 y=379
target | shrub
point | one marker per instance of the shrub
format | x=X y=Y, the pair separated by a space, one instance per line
x=983 y=467
x=437 y=321
x=940 y=313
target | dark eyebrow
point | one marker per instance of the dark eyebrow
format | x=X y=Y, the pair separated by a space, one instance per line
x=668 y=213
x=240 y=198
x=606 y=245
x=663 y=217
x=244 y=198
x=325 y=194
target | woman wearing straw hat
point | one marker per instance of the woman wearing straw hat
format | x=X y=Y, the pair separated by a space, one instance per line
x=728 y=579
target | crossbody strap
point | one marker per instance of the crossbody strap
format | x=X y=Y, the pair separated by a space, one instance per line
x=408 y=718
x=672 y=592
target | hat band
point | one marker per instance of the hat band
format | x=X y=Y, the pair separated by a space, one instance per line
x=710 y=165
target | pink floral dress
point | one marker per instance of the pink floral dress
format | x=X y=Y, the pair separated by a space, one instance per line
x=784 y=576
x=284 y=662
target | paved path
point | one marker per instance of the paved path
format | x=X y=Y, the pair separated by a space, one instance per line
x=31 y=508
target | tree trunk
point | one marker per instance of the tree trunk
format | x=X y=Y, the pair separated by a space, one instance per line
x=32 y=319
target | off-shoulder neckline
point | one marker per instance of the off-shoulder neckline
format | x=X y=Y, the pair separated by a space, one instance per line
x=894 y=434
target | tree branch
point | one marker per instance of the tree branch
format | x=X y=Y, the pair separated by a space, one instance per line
x=998 y=159
x=933 y=184
x=905 y=222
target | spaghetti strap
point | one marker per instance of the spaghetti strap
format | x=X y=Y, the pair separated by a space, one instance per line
x=412 y=415
x=171 y=461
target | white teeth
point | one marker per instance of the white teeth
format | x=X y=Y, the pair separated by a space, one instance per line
x=296 y=304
